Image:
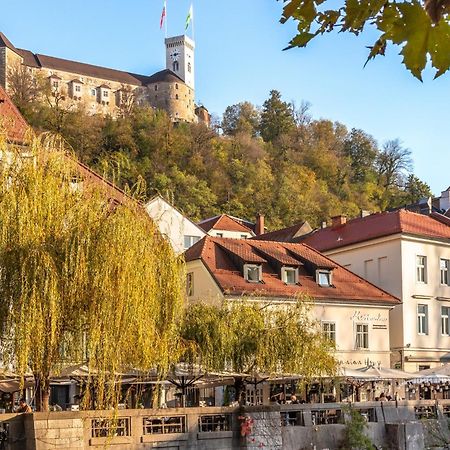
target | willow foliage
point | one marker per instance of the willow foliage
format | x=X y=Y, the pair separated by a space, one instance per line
x=250 y=337
x=82 y=278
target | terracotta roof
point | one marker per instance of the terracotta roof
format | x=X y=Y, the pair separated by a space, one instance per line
x=286 y=234
x=224 y=222
x=11 y=120
x=379 y=225
x=218 y=256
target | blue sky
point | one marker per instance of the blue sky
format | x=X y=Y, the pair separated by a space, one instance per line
x=239 y=57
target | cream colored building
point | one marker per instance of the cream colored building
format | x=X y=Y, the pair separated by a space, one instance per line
x=181 y=232
x=408 y=255
x=352 y=312
x=232 y=227
x=100 y=90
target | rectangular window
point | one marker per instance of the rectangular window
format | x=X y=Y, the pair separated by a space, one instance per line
x=362 y=335
x=444 y=320
x=289 y=275
x=444 y=265
x=55 y=85
x=105 y=93
x=93 y=92
x=422 y=319
x=219 y=234
x=323 y=278
x=190 y=284
x=253 y=273
x=189 y=241
x=421 y=268
x=77 y=88
x=329 y=330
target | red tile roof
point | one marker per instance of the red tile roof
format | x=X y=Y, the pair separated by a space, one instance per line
x=224 y=222
x=11 y=121
x=286 y=234
x=378 y=225
x=220 y=261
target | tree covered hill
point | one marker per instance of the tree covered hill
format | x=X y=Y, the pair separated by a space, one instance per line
x=275 y=160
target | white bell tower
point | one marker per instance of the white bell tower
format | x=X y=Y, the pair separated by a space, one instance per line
x=180 y=58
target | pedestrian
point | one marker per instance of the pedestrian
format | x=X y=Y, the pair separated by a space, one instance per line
x=24 y=407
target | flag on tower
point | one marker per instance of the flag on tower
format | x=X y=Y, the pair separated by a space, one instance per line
x=163 y=15
x=190 y=16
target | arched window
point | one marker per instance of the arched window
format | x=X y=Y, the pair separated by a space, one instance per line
x=175 y=66
x=176 y=96
x=189 y=67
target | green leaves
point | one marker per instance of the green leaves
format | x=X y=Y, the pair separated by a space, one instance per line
x=422 y=30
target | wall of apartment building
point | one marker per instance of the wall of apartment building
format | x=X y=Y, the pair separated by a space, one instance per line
x=173 y=224
x=204 y=288
x=344 y=315
x=433 y=347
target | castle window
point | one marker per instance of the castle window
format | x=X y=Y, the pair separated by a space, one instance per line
x=105 y=94
x=175 y=66
x=176 y=96
x=77 y=88
x=55 y=85
x=189 y=67
x=156 y=97
x=156 y=87
x=93 y=92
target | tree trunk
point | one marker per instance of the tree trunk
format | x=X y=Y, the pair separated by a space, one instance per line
x=239 y=387
x=42 y=396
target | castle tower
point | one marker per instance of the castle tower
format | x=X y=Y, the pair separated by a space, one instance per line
x=180 y=58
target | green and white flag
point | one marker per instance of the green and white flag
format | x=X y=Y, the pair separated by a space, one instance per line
x=190 y=16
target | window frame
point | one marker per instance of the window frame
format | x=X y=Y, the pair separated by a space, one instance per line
x=444 y=270
x=422 y=320
x=445 y=314
x=284 y=271
x=190 y=284
x=324 y=272
x=253 y=266
x=364 y=332
x=330 y=333
x=192 y=239
x=421 y=268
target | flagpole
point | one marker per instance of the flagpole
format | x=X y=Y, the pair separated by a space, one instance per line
x=193 y=21
x=165 y=22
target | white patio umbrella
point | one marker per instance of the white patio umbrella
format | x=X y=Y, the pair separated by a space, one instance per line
x=384 y=373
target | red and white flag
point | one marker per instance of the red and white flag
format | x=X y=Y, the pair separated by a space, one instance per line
x=163 y=16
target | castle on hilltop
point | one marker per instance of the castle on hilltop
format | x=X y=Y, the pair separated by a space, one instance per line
x=105 y=91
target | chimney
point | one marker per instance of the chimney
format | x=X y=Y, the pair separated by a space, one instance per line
x=259 y=226
x=338 y=220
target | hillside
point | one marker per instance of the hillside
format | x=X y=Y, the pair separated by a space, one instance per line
x=274 y=160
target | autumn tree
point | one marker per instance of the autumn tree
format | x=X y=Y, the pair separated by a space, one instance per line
x=24 y=87
x=251 y=337
x=277 y=117
x=240 y=118
x=362 y=151
x=83 y=278
x=420 y=28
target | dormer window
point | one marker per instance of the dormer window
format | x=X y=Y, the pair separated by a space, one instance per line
x=105 y=93
x=289 y=275
x=323 y=278
x=253 y=273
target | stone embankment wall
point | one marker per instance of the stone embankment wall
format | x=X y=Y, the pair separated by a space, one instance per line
x=390 y=425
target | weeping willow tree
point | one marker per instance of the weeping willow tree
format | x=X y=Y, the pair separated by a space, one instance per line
x=251 y=337
x=83 y=279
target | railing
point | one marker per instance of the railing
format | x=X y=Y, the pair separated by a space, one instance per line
x=164 y=425
x=110 y=427
x=425 y=412
x=215 y=422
